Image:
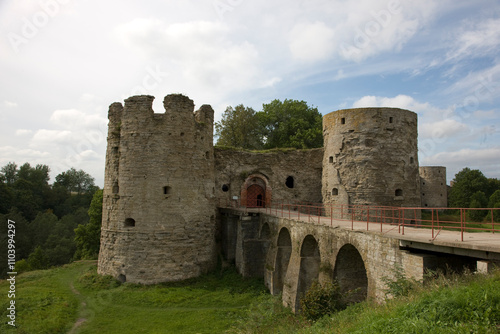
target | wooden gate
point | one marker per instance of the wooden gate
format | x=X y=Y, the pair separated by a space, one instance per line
x=256 y=196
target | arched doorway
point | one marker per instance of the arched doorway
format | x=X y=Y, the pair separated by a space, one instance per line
x=256 y=196
x=255 y=192
x=350 y=273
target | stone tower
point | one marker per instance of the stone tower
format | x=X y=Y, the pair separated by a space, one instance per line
x=370 y=158
x=434 y=190
x=159 y=207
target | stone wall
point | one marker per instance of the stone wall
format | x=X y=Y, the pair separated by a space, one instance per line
x=434 y=191
x=159 y=204
x=371 y=157
x=289 y=175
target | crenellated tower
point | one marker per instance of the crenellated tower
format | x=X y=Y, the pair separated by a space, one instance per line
x=159 y=207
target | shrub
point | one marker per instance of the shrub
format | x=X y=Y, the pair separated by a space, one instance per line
x=399 y=285
x=321 y=300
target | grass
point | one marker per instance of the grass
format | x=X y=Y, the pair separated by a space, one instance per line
x=46 y=302
x=456 y=304
x=451 y=221
x=51 y=301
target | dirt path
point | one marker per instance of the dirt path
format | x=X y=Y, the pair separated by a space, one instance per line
x=82 y=309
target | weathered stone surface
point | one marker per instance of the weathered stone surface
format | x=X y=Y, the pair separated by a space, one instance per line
x=235 y=169
x=164 y=181
x=371 y=157
x=158 y=168
x=434 y=191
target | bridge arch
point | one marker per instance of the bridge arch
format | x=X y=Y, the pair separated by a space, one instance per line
x=310 y=260
x=265 y=231
x=350 y=273
x=282 y=260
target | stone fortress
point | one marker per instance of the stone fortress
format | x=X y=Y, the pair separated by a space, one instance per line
x=164 y=181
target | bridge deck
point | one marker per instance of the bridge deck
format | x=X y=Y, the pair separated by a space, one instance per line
x=477 y=244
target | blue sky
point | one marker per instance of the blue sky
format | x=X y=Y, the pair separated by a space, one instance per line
x=63 y=62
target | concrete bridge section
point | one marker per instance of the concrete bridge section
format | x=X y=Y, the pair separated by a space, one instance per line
x=290 y=254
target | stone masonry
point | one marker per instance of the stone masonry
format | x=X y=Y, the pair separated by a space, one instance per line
x=159 y=204
x=164 y=183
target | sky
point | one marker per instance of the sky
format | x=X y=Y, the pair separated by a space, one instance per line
x=63 y=62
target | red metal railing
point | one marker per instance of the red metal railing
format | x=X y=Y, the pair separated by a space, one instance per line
x=384 y=218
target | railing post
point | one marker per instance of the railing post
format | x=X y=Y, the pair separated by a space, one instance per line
x=331 y=215
x=462 y=222
x=352 y=218
x=403 y=221
x=492 y=222
x=367 y=218
x=432 y=217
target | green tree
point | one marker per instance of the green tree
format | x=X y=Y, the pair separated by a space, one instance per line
x=238 y=128
x=290 y=123
x=76 y=181
x=478 y=200
x=9 y=173
x=466 y=183
x=88 y=236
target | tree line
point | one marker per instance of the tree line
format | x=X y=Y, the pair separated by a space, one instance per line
x=55 y=223
x=471 y=189
x=287 y=124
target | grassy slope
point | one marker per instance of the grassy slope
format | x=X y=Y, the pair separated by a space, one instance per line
x=46 y=303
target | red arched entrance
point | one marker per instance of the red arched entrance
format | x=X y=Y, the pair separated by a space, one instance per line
x=256 y=196
x=256 y=192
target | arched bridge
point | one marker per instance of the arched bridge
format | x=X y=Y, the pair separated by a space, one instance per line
x=291 y=246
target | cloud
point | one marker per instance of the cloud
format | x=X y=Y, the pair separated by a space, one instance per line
x=476 y=39
x=201 y=52
x=444 y=128
x=23 y=132
x=424 y=109
x=312 y=41
x=10 y=104
x=485 y=160
x=75 y=119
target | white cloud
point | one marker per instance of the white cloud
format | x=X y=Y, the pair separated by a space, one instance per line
x=476 y=39
x=76 y=120
x=312 y=41
x=444 y=128
x=10 y=104
x=400 y=101
x=202 y=53
x=486 y=160
x=23 y=132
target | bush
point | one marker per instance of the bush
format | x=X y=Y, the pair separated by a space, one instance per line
x=93 y=281
x=399 y=285
x=321 y=300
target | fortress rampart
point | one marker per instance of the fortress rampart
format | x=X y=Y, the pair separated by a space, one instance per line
x=164 y=181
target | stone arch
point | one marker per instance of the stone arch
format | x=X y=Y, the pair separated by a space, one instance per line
x=284 y=244
x=310 y=260
x=256 y=191
x=265 y=231
x=350 y=273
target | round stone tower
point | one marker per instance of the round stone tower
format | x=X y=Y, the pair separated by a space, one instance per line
x=370 y=158
x=158 y=219
x=434 y=190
